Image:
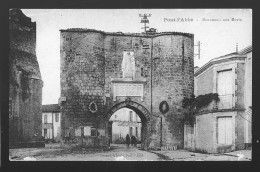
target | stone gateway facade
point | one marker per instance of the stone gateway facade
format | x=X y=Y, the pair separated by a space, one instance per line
x=25 y=84
x=102 y=72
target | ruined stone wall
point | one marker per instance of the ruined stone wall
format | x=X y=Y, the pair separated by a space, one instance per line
x=25 y=89
x=90 y=60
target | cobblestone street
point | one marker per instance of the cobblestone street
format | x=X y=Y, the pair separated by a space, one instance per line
x=53 y=152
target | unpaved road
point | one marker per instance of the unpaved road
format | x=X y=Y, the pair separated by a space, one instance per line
x=54 y=152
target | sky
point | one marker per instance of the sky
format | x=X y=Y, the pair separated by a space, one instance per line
x=214 y=28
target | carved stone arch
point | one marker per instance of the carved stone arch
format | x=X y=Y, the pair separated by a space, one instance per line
x=142 y=112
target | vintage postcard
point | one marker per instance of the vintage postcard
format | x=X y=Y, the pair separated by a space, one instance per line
x=130 y=85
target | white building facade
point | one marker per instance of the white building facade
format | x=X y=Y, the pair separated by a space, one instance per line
x=223 y=126
x=125 y=121
x=51 y=117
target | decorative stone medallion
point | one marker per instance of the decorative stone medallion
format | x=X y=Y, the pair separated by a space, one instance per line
x=92 y=107
x=164 y=107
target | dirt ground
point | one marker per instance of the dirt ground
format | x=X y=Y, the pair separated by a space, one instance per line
x=54 y=152
x=184 y=155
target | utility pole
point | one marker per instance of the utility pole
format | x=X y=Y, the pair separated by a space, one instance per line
x=145 y=20
x=199 y=43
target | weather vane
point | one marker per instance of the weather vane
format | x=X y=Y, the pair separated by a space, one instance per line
x=145 y=20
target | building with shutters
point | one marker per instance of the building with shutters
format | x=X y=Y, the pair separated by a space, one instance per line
x=51 y=116
x=125 y=121
x=223 y=126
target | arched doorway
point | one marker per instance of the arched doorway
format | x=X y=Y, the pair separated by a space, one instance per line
x=124 y=121
x=140 y=110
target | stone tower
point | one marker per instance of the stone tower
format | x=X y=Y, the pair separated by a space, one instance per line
x=109 y=71
x=25 y=84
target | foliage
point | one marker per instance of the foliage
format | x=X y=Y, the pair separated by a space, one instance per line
x=193 y=104
x=204 y=100
x=188 y=102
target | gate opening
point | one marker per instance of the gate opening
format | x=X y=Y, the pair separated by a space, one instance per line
x=125 y=121
x=135 y=124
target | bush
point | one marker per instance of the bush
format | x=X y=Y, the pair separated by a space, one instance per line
x=204 y=100
x=192 y=104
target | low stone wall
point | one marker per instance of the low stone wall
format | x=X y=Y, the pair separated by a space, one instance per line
x=28 y=144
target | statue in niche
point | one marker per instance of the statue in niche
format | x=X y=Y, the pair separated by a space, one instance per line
x=128 y=65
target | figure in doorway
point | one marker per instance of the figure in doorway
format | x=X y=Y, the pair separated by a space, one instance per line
x=133 y=141
x=127 y=140
x=67 y=137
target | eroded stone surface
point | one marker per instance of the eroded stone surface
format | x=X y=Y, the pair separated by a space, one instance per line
x=91 y=59
x=25 y=91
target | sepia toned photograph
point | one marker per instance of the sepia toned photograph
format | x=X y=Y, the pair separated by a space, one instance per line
x=130 y=84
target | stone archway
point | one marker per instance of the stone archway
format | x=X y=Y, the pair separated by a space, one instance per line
x=140 y=110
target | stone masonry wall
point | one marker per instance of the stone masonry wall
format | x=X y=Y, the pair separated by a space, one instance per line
x=82 y=79
x=25 y=91
x=90 y=59
x=172 y=81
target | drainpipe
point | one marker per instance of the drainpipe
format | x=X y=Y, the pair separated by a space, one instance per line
x=52 y=128
x=161 y=132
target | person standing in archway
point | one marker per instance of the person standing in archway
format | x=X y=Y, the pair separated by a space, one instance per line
x=132 y=140
x=127 y=140
x=135 y=140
